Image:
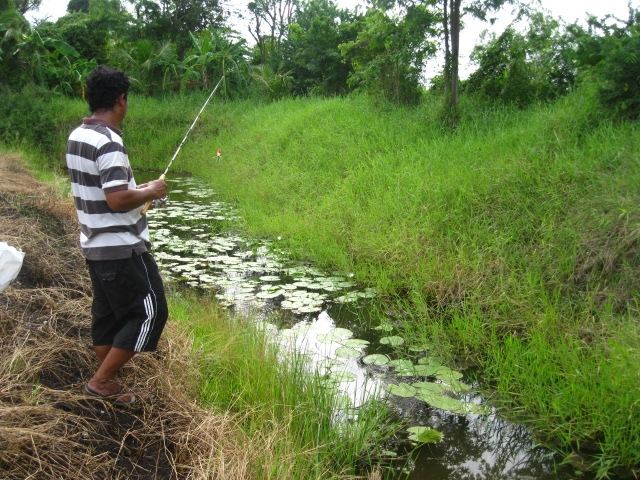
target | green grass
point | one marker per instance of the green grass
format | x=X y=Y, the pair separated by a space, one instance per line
x=288 y=409
x=512 y=243
x=521 y=224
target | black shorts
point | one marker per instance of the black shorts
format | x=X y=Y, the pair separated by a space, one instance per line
x=129 y=307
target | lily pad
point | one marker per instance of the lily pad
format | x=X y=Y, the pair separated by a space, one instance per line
x=420 y=434
x=446 y=374
x=401 y=364
x=347 y=352
x=269 y=278
x=429 y=388
x=384 y=327
x=375 y=359
x=403 y=390
x=355 y=342
x=388 y=453
x=337 y=334
x=394 y=341
x=457 y=386
x=343 y=376
x=443 y=402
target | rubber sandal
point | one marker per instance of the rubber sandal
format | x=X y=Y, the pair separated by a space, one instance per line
x=120 y=397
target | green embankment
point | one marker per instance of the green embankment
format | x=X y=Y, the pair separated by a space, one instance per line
x=511 y=244
x=287 y=412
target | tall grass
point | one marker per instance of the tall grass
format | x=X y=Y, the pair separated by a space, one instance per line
x=512 y=242
x=290 y=409
x=520 y=225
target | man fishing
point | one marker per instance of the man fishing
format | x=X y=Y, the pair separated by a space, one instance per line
x=129 y=308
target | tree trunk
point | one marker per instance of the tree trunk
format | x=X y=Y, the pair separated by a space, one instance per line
x=447 y=52
x=455 y=51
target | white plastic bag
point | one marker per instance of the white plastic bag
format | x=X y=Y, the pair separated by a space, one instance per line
x=10 y=264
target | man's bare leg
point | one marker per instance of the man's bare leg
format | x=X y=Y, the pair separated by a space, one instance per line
x=101 y=352
x=103 y=381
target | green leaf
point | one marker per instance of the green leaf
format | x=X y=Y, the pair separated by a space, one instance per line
x=394 y=341
x=457 y=386
x=429 y=388
x=347 y=352
x=376 y=359
x=384 y=327
x=443 y=402
x=337 y=334
x=420 y=434
x=402 y=390
x=355 y=342
x=401 y=364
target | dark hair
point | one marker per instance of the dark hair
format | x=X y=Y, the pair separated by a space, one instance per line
x=104 y=86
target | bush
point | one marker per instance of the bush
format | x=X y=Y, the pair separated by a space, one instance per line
x=612 y=59
x=620 y=73
x=26 y=117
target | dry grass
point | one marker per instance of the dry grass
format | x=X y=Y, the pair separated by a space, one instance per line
x=48 y=428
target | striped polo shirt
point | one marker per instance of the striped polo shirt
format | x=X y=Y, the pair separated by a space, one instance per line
x=98 y=163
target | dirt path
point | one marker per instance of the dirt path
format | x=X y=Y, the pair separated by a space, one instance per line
x=48 y=428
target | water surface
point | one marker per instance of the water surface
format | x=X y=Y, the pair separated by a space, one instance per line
x=326 y=316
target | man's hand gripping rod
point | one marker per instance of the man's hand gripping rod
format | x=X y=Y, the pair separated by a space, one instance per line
x=147 y=205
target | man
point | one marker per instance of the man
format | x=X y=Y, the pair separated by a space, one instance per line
x=129 y=308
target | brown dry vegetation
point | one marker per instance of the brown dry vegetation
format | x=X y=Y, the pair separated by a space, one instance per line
x=48 y=428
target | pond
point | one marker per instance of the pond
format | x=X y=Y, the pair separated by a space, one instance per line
x=327 y=317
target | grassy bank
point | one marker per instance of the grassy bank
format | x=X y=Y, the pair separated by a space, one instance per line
x=511 y=243
x=285 y=410
x=216 y=401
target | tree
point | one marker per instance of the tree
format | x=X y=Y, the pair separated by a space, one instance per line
x=389 y=52
x=174 y=19
x=452 y=12
x=23 y=6
x=13 y=27
x=269 y=25
x=521 y=68
x=216 y=53
x=311 y=50
x=78 y=6
x=608 y=52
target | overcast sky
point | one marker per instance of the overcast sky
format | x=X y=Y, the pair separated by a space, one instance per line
x=568 y=10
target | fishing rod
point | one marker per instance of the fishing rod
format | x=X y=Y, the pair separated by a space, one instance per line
x=147 y=205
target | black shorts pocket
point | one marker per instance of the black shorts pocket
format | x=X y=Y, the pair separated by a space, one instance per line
x=120 y=276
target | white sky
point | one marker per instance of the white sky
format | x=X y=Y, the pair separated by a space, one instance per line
x=568 y=10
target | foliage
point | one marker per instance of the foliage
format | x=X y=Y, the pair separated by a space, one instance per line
x=270 y=84
x=522 y=224
x=611 y=53
x=78 y=6
x=522 y=68
x=268 y=27
x=173 y=20
x=23 y=6
x=388 y=53
x=216 y=52
x=28 y=119
x=12 y=27
x=311 y=50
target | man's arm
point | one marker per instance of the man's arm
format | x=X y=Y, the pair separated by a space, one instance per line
x=123 y=200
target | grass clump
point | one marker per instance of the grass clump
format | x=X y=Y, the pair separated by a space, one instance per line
x=290 y=412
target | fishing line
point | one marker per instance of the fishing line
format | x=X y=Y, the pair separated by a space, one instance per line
x=147 y=205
